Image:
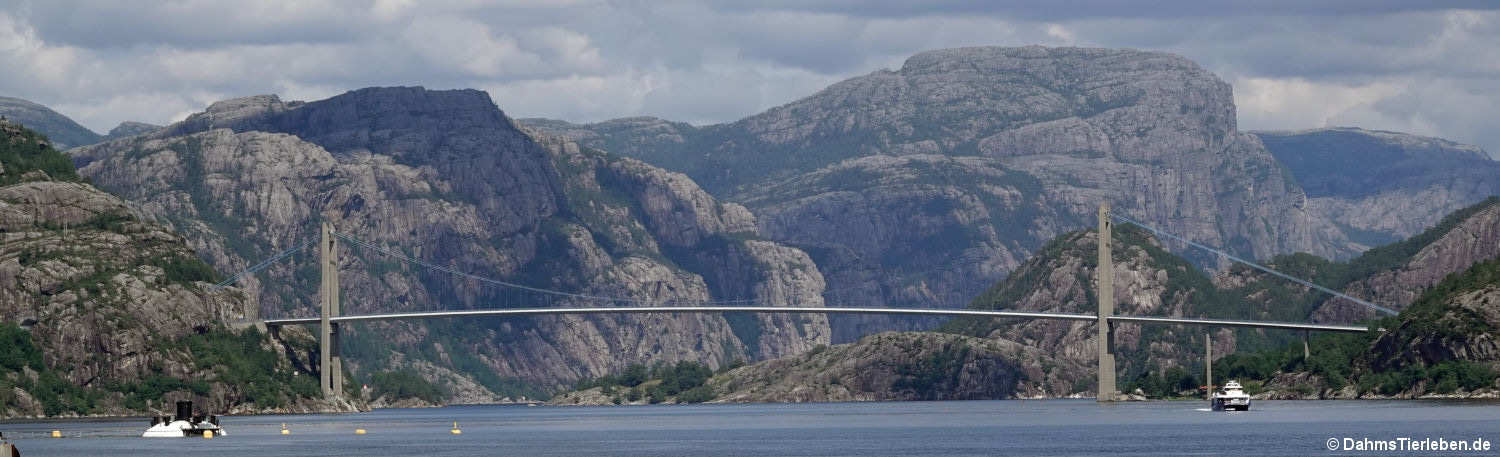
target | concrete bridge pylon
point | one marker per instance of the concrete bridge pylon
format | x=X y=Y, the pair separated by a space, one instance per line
x=330 y=363
x=1105 y=295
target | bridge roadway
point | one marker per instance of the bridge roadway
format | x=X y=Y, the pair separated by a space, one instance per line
x=512 y=312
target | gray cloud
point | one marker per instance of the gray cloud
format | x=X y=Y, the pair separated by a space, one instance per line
x=1430 y=68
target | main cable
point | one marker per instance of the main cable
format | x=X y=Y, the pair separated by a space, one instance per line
x=263 y=264
x=1254 y=265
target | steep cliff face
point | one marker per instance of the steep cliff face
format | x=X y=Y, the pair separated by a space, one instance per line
x=1462 y=239
x=1383 y=186
x=444 y=176
x=113 y=304
x=1002 y=148
x=913 y=231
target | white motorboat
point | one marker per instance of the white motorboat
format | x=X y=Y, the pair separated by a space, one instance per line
x=1231 y=397
x=184 y=424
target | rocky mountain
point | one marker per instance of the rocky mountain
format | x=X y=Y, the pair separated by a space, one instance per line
x=1444 y=345
x=1380 y=187
x=1444 y=330
x=61 y=131
x=1408 y=268
x=446 y=177
x=104 y=311
x=893 y=366
x=130 y=128
x=1151 y=281
x=906 y=366
x=973 y=158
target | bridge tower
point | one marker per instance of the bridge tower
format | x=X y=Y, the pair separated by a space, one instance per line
x=1105 y=281
x=330 y=368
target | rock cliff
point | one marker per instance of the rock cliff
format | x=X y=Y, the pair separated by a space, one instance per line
x=445 y=176
x=115 y=307
x=995 y=151
x=1461 y=240
x=1383 y=186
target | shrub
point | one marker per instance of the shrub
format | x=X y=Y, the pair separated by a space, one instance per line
x=405 y=383
x=698 y=394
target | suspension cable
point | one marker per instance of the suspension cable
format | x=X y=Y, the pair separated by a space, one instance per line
x=1254 y=265
x=423 y=263
x=263 y=264
x=382 y=250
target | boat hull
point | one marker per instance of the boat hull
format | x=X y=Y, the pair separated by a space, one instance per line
x=181 y=429
x=1231 y=404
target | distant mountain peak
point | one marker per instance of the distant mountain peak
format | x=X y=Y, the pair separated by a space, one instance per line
x=131 y=128
x=63 y=132
x=1451 y=148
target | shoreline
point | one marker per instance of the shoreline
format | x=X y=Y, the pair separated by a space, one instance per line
x=1488 y=397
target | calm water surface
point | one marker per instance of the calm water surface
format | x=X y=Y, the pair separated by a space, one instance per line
x=1047 y=427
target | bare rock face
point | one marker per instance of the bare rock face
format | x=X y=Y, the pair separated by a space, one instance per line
x=104 y=295
x=1459 y=242
x=719 y=241
x=920 y=186
x=1383 y=186
x=1462 y=327
x=44 y=265
x=911 y=231
x=444 y=176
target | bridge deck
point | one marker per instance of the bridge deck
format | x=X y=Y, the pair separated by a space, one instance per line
x=809 y=309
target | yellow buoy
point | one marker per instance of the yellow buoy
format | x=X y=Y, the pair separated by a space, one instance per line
x=455 y=430
x=359 y=431
x=208 y=434
x=284 y=431
x=57 y=433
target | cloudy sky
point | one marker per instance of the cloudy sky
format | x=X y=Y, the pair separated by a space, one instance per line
x=1424 y=67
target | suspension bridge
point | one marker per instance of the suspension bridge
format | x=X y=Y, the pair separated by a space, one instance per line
x=330 y=319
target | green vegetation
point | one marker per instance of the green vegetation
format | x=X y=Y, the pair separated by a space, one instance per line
x=244 y=362
x=1415 y=349
x=239 y=361
x=931 y=377
x=1344 y=360
x=19 y=352
x=685 y=380
x=403 y=384
x=21 y=356
x=23 y=151
x=461 y=355
x=1263 y=353
x=179 y=269
x=1173 y=382
x=1434 y=316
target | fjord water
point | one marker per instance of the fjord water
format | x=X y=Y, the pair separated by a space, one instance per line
x=957 y=428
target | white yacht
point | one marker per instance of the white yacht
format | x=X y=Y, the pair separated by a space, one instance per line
x=1231 y=397
x=184 y=424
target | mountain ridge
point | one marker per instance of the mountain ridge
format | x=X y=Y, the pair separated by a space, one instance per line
x=63 y=132
x=445 y=176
